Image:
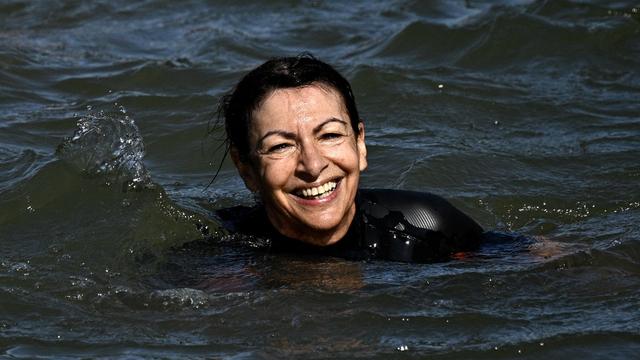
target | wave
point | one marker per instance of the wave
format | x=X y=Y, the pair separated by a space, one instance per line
x=518 y=35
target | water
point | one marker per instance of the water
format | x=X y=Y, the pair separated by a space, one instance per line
x=525 y=114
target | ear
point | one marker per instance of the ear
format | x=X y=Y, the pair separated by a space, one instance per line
x=362 y=147
x=244 y=169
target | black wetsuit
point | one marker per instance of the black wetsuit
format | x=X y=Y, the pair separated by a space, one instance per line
x=389 y=224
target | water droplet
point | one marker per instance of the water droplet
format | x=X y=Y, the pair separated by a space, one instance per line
x=21 y=267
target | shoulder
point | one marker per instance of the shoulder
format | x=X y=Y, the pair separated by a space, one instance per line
x=419 y=213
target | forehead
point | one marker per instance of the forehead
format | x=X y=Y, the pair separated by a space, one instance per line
x=313 y=102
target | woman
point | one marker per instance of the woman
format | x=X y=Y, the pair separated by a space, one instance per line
x=295 y=136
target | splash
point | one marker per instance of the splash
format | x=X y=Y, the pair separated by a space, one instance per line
x=109 y=145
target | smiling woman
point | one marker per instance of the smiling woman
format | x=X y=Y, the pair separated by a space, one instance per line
x=295 y=136
x=305 y=162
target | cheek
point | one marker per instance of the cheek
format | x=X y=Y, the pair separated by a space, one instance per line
x=274 y=174
x=345 y=155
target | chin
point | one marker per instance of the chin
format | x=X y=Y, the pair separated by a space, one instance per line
x=313 y=224
x=327 y=219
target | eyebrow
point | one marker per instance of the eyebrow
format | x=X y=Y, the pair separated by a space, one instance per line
x=284 y=134
x=291 y=136
x=330 y=120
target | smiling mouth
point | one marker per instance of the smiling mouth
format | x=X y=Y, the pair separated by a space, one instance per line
x=318 y=192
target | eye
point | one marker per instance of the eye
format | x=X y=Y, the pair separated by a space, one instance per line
x=331 y=136
x=279 y=148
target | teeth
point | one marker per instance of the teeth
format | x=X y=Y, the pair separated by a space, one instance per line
x=319 y=190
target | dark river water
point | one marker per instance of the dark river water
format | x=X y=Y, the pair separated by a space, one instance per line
x=524 y=114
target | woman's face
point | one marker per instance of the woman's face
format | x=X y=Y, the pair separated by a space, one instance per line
x=305 y=162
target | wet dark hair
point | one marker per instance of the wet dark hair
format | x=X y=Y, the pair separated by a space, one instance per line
x=237 y=107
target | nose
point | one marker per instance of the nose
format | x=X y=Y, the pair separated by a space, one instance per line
x=311 y=162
